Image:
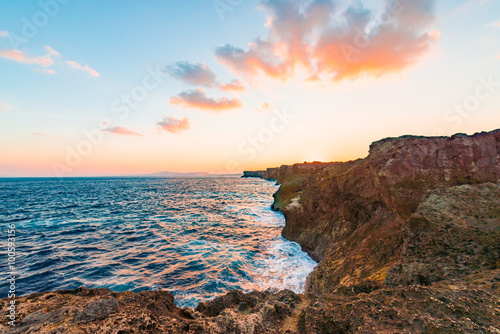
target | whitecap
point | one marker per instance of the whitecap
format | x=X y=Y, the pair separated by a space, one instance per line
x=283 y=265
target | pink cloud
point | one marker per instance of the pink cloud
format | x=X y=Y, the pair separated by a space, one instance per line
x=20 y=57
x=197 y=99
x=4 y=33
x=121 y=131
x=233 y=86
x=174 y=125
x=74 y=65
x=45 y=70
x=334 y=41
x=382 y=54
x=44 y=62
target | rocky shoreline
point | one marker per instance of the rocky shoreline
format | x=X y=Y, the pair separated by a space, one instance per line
x=407 y=240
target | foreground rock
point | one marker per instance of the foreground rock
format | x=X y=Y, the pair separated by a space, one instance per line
x=103 y=311
x=407 y=239
x=469 y=305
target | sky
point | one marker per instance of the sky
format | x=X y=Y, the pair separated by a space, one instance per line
x=93 y=88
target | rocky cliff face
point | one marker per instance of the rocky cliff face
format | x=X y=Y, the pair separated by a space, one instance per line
x=407 y=239
x=416 y=210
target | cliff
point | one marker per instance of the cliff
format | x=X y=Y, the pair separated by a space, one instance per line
x=416 y=210
x=407 y=239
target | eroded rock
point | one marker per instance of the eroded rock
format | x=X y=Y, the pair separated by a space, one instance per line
x=98 y=310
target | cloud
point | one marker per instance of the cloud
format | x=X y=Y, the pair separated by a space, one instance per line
x=20 y=57
x=233 y=86
x=45 y=70
x=193 y=74
x=249 y=63
x=496 y=24
x=121 y=131
x=202 y=76
x=174 y=125
x=44 y=62
x=4 y=33
x=74 y=65
x=197 y=99
x=334 y=41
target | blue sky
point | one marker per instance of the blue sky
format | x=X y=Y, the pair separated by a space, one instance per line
x=102 y=51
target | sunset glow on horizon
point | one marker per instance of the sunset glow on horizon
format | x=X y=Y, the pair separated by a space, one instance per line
x=100 y=89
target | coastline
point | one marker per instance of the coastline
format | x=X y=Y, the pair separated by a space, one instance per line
x=380 y=199
x=406 y=240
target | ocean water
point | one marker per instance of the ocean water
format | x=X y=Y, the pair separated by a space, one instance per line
x=197 y=238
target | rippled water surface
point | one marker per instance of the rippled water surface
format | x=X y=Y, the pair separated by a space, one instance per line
x=197 y=238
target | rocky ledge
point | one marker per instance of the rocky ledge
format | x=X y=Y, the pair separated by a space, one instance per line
x=407 y=239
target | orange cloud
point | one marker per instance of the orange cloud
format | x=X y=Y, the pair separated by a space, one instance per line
x=20 y=57
x=121 y=131
x=251 y=63
x=74 y=65
x=197 y=99
x=233 y=86
x=387 y=52
x=331 y=40
x=174 y=125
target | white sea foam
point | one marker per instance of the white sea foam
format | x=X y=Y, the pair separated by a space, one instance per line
x=284 y=266
x=267 y=215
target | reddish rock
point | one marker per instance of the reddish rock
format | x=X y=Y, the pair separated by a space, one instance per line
x=356 y=217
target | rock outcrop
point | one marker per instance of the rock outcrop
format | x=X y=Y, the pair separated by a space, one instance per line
x=260 y=174
x=103 y=311
x=407 y=239
x=416 y=210
x=468 y=305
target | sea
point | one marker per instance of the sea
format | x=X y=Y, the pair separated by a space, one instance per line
x=197 y=238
